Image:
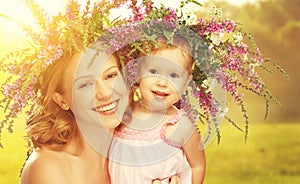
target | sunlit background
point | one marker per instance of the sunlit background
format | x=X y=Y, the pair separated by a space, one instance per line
x=272 y=153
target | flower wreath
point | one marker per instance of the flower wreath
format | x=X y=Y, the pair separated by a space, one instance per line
x=223 y=51
x=227 y=56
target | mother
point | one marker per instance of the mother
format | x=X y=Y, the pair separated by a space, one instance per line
x=63 y=153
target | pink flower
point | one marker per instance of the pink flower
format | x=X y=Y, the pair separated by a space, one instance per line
x=171 y=18
x=131 y=69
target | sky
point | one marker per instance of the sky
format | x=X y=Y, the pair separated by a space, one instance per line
x=10 y=33
x=17 y=8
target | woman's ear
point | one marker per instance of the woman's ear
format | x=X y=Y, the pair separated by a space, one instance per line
x=60 y=101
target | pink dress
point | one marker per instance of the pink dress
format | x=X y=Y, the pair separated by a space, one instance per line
x=139 y=157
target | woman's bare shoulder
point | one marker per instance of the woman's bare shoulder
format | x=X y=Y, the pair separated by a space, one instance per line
x=45 y=167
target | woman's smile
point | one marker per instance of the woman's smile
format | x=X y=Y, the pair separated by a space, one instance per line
x=107 y=109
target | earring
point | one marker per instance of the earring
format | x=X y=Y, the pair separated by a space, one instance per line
x=137 y=95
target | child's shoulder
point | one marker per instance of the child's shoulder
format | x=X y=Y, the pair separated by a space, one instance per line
x=185 y=125
x=181 y=128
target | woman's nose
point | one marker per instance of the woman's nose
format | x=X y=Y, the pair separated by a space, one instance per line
x=103 y=90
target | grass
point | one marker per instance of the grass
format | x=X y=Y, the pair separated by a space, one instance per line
x=271 y=155
x=13 y=155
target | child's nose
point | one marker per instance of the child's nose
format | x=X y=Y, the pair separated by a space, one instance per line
x=161 y=82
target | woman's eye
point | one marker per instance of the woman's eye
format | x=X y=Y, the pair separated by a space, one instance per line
x=153 y=71
x=111 y=76
x=85 y=84
x=174 y=75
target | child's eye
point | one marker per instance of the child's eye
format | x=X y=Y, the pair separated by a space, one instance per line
x=174 y=75
x=153 y=71
x=111 y=76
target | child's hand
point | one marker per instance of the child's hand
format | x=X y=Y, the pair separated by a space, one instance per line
x=174 y=180
x=156 y=182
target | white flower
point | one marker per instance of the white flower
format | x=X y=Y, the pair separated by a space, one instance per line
x=209 y=84
x=190 y=18
x=216 y=12
x=216 y=38
x=223 y=113
x=188 y=13
x=237 y=38
x=205 y=83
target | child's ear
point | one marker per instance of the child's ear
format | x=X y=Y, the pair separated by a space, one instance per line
x=60 y=101
x=189 y=79
x=188 y=82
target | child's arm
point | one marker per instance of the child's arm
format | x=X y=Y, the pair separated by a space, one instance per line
x=187 y=135
x=196 y=157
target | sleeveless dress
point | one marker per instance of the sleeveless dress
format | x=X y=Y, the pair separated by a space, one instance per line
x=139 y=157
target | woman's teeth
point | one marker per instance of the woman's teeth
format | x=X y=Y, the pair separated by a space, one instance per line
x=107 y=107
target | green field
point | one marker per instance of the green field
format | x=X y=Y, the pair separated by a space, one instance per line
x=271 y=156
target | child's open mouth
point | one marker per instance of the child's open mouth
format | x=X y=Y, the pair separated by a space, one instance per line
x=160 y=94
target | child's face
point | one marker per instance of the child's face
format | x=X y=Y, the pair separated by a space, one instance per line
x=164 y=78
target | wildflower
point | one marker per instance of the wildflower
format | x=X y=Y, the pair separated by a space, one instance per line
x=237 y=38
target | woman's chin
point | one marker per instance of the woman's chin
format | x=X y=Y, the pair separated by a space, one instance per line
x=111 y=122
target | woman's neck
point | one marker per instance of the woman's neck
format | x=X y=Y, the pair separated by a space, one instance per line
x=97 y=139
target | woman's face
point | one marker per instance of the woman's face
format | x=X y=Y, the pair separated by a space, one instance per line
x=95 y=90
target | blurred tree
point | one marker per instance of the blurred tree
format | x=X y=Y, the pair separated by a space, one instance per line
x=275 y=24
